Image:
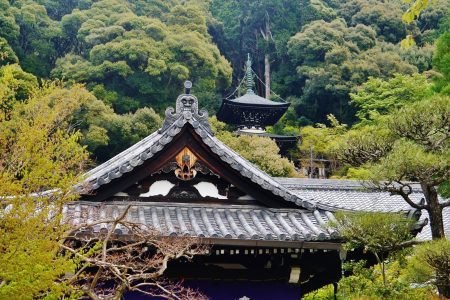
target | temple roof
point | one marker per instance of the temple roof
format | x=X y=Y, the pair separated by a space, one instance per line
x=300 y=207
x=155 y=143
x=251 y=99
x=251 y=110
x=212 y=221
x=354 y=195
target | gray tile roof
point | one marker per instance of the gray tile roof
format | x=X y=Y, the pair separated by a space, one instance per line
x=210 y=221
x=317 y=199
x=353 y=195
x=136 y=155
x=346 y=195
x=253 y=99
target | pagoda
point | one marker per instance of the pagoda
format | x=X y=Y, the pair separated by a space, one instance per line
x=252 y=113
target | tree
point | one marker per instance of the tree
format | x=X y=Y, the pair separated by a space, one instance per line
x=385 y=18
x=108 y=266
x=142 y=59
x=15 y=86
x=260 y=28
x=34 y=45
x=409 y=144
x=332 y=60
x=430 y=263
x=377 y=233
x=10 y=29
x=319 y=141
x=378 y=97
x=441 y=62
x=416 y=9
x=41 y=166
x=7 y=55
x=104 y=132
x=39 y=151
x=363 y=282
x=388 y=237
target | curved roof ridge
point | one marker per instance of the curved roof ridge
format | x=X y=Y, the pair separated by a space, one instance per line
x=187 y=112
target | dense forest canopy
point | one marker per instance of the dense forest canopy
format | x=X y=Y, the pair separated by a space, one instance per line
x=133 y=55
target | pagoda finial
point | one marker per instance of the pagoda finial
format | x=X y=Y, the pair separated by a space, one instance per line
x=249 y=76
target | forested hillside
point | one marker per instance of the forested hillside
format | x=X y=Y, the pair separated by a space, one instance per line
x=133 y=55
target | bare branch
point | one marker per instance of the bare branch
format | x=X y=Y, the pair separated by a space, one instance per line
x=129 y=262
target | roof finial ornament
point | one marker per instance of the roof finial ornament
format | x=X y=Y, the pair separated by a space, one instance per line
x=249 y=75
x=186 y=110
x=187 y=87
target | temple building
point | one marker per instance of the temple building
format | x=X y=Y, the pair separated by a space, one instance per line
x=252 y=114
x=268 y=236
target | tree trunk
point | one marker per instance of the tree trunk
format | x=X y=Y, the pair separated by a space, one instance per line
x=434 y=211
x=437 y=227
x=267 y=75
x=241 y=51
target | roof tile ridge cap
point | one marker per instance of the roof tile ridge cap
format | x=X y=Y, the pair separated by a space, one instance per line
x=202 y=118
x=112 y=161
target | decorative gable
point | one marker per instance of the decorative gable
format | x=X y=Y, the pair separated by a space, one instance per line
x=184 y=152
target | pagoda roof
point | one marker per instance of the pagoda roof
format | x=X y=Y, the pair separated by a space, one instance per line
x=250 y=109
x=251 y=99
x=277 y=137
x=251 y=112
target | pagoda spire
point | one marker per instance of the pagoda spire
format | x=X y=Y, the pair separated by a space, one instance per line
x=249 y=76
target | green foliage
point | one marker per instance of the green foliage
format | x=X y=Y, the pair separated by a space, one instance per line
x=333 y=59
x=7 y=55
x=408 y=144
x=15 y=85
x=374 y=232
x=420 y=57
x=429 y=264
x=261 y=151
x=383 y=17
x=34 y=46
x=441 y=61
x=364 y=143
x=143 y=60
x=321 y=139
x=368 y=283
x=114 y=133
x=38 y=151
x=135 y=54
x=10 y=29
x=324 y=293
x=358 y=174
x=380 y=234
x=102 y=131
x=423 y=131
x=378 y=97
x=240 y=27
x=106 y=133
x=414 y=10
